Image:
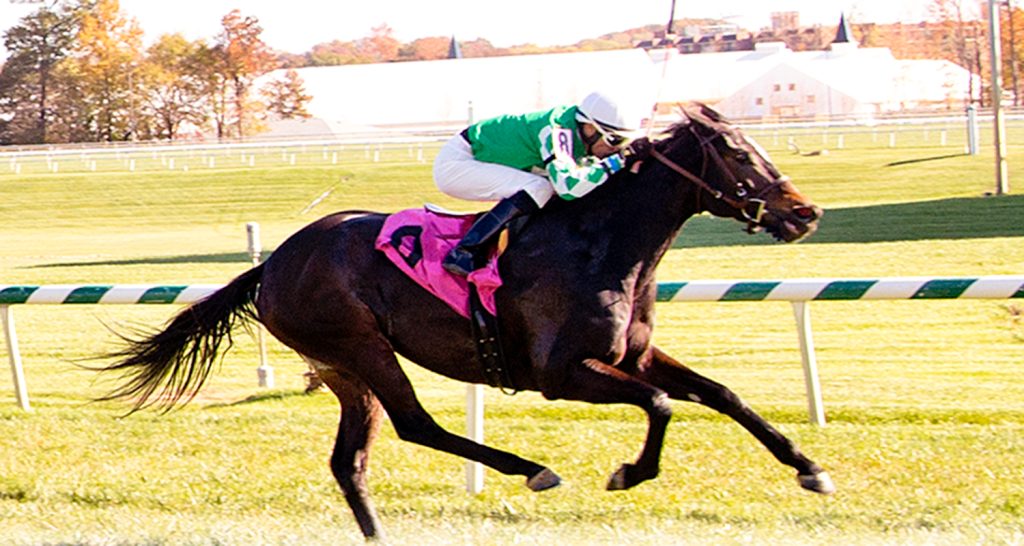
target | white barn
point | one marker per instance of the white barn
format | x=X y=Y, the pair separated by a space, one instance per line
x=846 y=81
x=450 y=91
x=771 y=82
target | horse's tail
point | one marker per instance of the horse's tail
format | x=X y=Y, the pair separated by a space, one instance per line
x=170 y=366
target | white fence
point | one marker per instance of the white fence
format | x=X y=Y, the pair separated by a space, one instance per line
x=951 y=132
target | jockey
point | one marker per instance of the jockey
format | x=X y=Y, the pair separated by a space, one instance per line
x=523 y=160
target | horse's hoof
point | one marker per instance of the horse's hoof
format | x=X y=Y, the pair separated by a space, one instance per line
x=545 y=479
x=819 y=483
x=618 y=479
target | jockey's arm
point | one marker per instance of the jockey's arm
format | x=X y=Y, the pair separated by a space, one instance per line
x=573 y=179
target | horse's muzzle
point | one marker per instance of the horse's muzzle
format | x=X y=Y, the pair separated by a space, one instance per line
x=792 y=224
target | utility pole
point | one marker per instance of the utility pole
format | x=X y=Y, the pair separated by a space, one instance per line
x=1002 y=184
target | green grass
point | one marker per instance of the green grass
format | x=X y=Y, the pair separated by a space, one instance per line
x=925 y=402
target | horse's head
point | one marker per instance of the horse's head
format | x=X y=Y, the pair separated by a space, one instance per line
x=737 y=177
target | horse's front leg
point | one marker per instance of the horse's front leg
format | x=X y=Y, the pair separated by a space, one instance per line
x=682 y=383
x=597 y=383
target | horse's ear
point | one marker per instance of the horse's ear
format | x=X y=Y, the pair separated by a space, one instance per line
x=685 y=113
x=685 y=120
x=712 y=114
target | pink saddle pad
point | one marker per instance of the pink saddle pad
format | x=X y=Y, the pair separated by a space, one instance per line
x=417 y=240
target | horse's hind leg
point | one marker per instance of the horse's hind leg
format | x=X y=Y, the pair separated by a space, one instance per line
x=682 y=383
x=375 y=363
x=361 y=416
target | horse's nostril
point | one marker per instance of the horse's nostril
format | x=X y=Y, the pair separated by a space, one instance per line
x=805 y=214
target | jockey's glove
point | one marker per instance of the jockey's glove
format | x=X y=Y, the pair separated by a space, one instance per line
x=613 y=163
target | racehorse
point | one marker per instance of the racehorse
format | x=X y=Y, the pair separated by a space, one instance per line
x=576 y=312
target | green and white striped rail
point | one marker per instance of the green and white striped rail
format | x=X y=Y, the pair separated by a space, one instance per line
x=797 y=291
x=104 y=293
x=802 y=291
x=84 y=294
x=886 y=288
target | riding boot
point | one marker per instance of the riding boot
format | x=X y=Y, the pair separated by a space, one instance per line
x=468 y=255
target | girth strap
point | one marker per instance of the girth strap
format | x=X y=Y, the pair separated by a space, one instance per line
x=488 y=345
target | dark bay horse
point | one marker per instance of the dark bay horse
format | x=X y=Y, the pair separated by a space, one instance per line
x=576 y=312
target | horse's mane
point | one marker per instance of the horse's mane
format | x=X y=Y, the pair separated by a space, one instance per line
x=701 y=114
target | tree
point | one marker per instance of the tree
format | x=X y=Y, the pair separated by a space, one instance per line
x=172 y=85
x=1013 y=42
x=108 y=53
x=244 y=58
x=70 y=121
x=37 y=47
x=963 y=38
x=290 y=60
x=425 y=49
x=287 y=98
x=380 y=46
x=334 y=53
x=598 y=44
x=214 y=86
x=479 y=48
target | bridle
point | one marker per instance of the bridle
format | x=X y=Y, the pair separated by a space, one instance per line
x=752 y=207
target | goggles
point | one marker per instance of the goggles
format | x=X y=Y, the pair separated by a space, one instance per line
x=609 y=136
x=612 y=139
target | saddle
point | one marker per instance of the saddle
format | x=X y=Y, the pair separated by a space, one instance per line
x=416 y=241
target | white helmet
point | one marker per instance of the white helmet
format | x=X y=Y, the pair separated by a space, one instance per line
x=616 y=115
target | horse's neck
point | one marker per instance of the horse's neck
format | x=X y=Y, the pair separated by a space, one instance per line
x=639 y=216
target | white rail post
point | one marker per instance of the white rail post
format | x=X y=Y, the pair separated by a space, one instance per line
x=474 y=399
x=972 y=129
x=815 y=406
x=20 y=391
x=475 y=432
x=264 y=372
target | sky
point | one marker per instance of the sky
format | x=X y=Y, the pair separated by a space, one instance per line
x=295 y=26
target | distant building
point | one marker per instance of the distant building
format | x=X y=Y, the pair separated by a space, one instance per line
x=743 y=79
x=785 y=20
x=729 y=37
x=845 y=81
x=703 y=43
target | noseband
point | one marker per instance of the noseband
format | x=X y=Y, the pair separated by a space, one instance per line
x=751 y=207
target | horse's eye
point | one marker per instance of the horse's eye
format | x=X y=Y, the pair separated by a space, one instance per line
x=742 y=156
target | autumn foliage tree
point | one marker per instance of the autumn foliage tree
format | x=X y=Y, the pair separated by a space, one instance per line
x=333 y=53
x=287 y=98
x=1013 y=46
x=244 y=57
x=173 y=85
x=107 y=56
x=425 y=49
x=963 y=37
x=380 y=46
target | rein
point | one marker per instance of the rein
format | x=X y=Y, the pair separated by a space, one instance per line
x=752 y=208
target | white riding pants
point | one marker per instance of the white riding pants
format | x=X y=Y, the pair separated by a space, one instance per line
x=458 y=174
